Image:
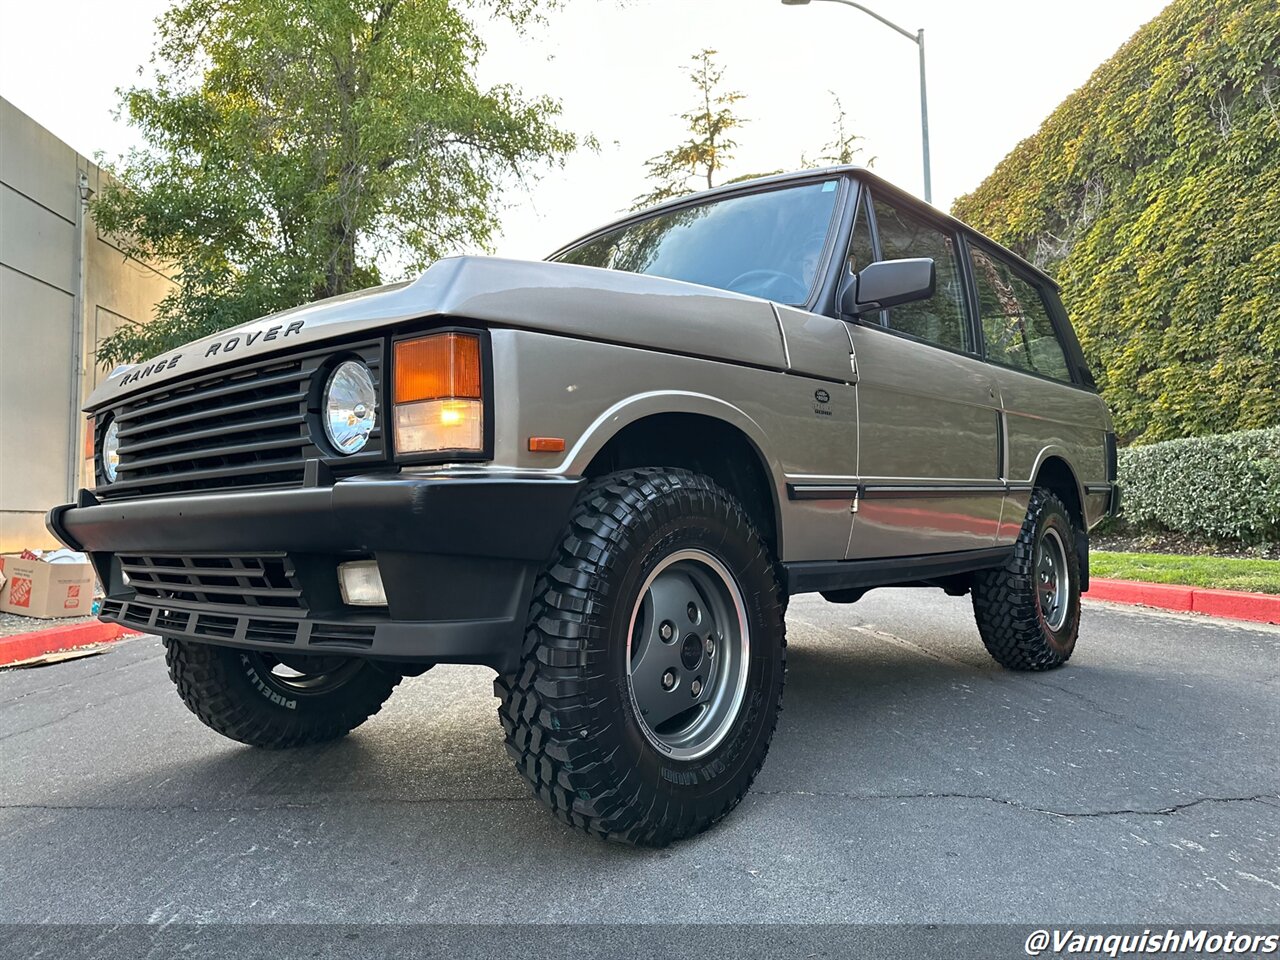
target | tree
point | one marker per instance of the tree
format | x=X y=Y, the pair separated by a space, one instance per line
x=293 y=147
x=709 y=146
x=1153 y=194
x=842 y=148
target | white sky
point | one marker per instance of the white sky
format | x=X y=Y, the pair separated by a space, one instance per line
x=996 y=69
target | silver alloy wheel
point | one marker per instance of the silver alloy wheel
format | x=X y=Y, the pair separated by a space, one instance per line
x=1053 y=579
x=688 y=653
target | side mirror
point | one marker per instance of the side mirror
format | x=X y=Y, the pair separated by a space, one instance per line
x=889 y=283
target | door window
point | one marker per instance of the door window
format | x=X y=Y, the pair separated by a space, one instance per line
x=943 y=318
x=1015 y=320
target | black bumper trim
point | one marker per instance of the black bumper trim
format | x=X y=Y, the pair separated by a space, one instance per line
x=492 y=642
x=458 y=554
x=513 y=518
x=1112 y=491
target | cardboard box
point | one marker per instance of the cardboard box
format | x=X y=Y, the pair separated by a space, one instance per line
x=34 y=588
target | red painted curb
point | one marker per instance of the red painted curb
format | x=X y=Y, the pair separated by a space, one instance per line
x=1232 y=604
x=1164 y=595
x=24 y=646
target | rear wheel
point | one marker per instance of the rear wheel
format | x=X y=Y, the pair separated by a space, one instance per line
x=653 y=663
x=1028 y=611
x=276 y=701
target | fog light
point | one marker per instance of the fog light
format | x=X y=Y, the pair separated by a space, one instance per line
x=361 y=584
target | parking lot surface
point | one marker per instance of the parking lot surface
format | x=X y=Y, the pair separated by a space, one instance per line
x=911 y=780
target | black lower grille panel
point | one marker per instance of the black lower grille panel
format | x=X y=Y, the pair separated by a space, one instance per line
x=256 y=599
x=147 y=618
x=264 y=583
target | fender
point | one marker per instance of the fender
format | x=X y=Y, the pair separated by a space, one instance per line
x=1082 y=534
x=638 y=406
x=1056 y=450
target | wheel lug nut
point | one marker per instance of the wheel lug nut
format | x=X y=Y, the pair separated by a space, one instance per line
x=669 y=680
x=710 y=646
x=695 y=688
x=667 y=630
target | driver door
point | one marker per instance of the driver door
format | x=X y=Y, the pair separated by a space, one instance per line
x=929 y=420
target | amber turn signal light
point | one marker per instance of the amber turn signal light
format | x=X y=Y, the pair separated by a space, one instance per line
x=546 y=445
x=437 y=393
x=437 y=367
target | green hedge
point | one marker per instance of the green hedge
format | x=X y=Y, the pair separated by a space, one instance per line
x=1222 y=487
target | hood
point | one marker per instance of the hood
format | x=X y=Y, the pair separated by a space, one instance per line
x=585 y=302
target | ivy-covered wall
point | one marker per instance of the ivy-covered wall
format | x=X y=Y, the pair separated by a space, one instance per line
x=1152 y=193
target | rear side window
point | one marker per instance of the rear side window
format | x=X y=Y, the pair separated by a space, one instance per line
x=1015 y=320
x=941 y=319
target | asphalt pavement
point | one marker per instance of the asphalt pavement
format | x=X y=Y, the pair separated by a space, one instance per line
x=911 y=780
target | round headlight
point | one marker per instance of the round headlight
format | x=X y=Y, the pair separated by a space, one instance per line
x=350 y=407
x=111 y=452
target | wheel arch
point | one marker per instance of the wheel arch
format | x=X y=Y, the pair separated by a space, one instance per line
x=1056 y=474
x=727 y=448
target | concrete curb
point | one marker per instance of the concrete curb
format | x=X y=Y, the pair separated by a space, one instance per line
x=1232 y=604
x=37 y=643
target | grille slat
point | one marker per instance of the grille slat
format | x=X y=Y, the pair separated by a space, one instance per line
x=206 y=453
x=248 y=406
x=160 y=588
x=183 y=565
x=233 y=383
x=211 y=433
x=197 y=476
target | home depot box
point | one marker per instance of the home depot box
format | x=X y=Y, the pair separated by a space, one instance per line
x=34 y=588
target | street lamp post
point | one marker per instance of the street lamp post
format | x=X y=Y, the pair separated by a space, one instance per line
x=918 y=39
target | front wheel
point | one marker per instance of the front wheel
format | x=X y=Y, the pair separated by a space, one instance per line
x=1028 y=611
x=653 y=663
x=273 y=701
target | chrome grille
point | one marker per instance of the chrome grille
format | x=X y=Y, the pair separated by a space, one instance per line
x=246 y=427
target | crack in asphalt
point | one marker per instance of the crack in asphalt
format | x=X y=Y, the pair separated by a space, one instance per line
x=1270 y=799
x=1265 y=798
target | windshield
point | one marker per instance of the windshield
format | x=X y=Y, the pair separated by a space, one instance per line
x=763 y=244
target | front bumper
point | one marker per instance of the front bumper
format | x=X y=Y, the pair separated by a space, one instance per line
x=458 y=555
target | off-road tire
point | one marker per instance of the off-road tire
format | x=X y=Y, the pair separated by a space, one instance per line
x=224 y=688
x=569 y=718
x=1007 y=605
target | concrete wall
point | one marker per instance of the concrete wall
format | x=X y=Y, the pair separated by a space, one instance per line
x=52 y=316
